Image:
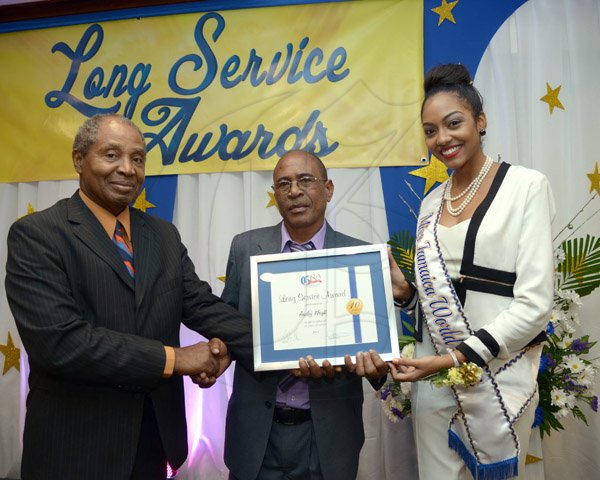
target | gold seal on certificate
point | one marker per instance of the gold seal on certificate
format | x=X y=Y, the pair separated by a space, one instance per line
x=354 y=306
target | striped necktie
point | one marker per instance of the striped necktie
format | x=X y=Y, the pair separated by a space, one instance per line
x=288 y=379
x=125 y=250
x=296 y=247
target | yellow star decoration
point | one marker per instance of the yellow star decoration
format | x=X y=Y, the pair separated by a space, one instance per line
x=529 y=459
x=272 y=201
x=435 y=172
x=141 y=203
x=222 y=278
x=445 y=11
x=30 y=210
x=12 y=355
x=594 y=180
x=551 y=98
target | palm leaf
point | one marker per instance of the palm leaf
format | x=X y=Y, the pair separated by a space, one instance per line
x=404 y=340
x=403 y=251
x=577 y=413
x=409 y=327
x=580 y=270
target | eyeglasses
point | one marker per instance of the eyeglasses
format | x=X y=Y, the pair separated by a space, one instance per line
x=303 y=183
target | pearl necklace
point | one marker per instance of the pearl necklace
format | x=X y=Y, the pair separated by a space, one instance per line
x=470 y=191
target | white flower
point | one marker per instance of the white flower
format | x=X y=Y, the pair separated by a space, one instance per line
x=565 y=341
x=591 y=370
x=574 y=315
x=559 y=256
x=570 y=400
x=561 y=293
x=586 y=376
x=389 y=404
x=574 y=363
x=557 y=317
x=408 y=351
x=558 y=330
x=387 y=409
x=569 y=329
x=563 y=412
x=570 y=296
x=406 y=389
x=564 y=294
x=558 y=397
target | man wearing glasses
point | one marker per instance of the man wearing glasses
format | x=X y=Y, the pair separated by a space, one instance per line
x=280 y=427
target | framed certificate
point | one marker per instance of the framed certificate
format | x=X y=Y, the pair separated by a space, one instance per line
x=324 y=303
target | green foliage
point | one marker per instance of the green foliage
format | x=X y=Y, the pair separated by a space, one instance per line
x=403 y=251
x=409 y=327
x=580 y=270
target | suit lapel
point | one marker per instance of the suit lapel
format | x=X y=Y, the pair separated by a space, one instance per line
x=90 y=232
x=145 y=251
x=330 y=241
x=270 y=242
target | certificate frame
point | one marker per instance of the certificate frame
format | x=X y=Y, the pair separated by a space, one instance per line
x=273 y=349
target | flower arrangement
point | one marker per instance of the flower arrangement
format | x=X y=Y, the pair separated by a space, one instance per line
x=566 y=375
x=395 y=396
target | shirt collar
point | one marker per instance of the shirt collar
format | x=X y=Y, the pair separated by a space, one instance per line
x=318 y=239
x=107 y=219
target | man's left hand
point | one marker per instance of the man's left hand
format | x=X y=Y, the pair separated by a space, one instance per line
x=308 y=368
x=368 y=364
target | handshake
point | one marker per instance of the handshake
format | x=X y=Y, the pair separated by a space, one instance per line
x=204 y=362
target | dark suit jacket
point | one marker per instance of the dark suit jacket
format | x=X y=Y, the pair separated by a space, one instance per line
x=95 y=338
x=336 y=405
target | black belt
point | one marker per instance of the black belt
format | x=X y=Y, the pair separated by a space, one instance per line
x=485 y=285
x=291 y=416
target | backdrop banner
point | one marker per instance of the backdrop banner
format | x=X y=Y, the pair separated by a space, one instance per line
x=221 y=91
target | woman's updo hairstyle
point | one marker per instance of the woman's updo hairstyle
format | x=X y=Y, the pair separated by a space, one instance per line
x=453 y=77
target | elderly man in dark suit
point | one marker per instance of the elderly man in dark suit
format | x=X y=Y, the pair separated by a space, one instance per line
x=312 y=429
x=99 y=291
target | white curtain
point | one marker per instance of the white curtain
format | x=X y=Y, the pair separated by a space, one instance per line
x=17 y=200
x=555 y=42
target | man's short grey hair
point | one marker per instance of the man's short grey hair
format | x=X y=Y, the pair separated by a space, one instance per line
x=88 y=132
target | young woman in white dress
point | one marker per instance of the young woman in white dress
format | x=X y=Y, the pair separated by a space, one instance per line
x=484 y=273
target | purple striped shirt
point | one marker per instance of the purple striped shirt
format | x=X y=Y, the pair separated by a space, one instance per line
x=297 y=395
